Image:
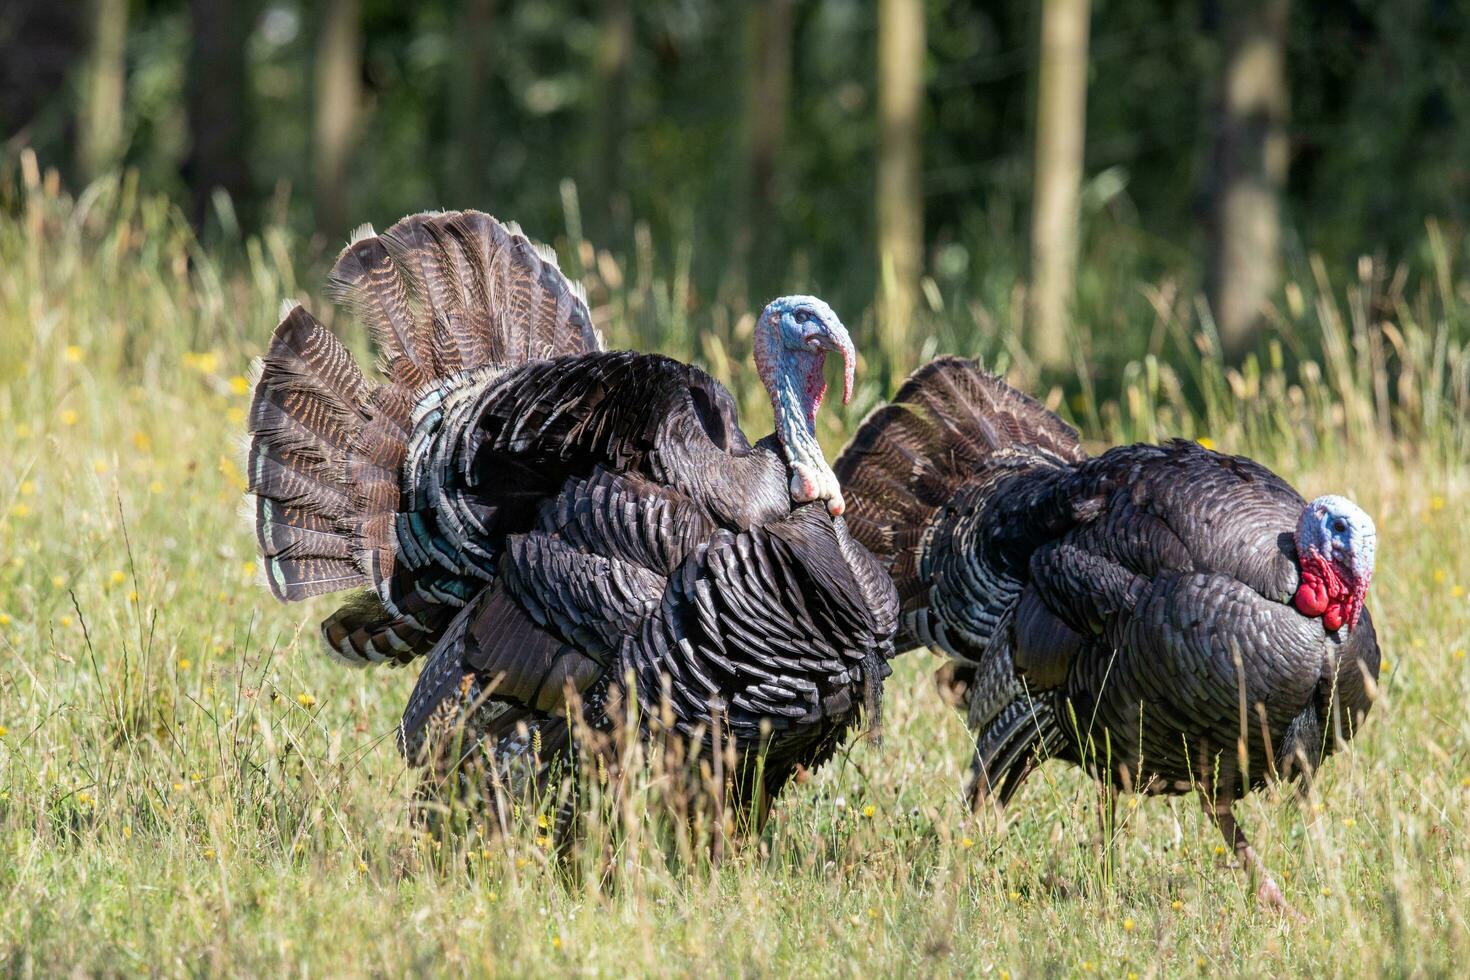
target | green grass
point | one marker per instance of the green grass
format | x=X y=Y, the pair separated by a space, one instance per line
x=188 y=785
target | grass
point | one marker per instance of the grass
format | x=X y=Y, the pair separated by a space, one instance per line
x=187 y=785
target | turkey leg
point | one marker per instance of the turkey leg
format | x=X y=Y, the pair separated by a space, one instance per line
x=1267 y=891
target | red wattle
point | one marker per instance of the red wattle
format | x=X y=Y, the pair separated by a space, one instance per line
x=1311 y=596
x=816 y=387
x=1325 y=591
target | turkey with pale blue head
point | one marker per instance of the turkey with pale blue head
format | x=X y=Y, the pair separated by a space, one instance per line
x=1169 y=617
x=543 y=518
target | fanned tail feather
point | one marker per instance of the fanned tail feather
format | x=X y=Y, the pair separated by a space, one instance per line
x=450 y=299
x=909 y=457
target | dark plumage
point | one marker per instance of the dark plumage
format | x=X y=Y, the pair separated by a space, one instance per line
x=1136 y=613
x=543 y=518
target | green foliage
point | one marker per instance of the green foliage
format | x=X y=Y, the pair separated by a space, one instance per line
x=188 y=785
x=1377 y=132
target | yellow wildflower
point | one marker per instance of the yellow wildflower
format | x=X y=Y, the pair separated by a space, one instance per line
x=178 y=787
x=1436 y=502
x=967 y=843
x=28 y=489
x=541 y=821
x=155 y=487
x=1206 y=442
x=1326 y=891
x=58 y=581
x=869 y=810
x=1457 y=591
x=4 y=619
x=1176 y=905
x=231 y=472
x=239 y=385
x=65 y=622
x=543 y=840
x=20 y=510
x=133 y=595
x=205 y=363
x=184 y=663
x=69 y=416
x=248 y=570
x=1349 y=822
x=142 y=441
x=127 y=831
x=556 y=942
x=73 y=353
x=1128 y=925
x=4 y=731
x=85 y=799
x=305 y=700
x=1439 y=576
x=22 y=431
x=235 y=415
x=117 y=577
x=362 y=867
x=99 y=466
x=209 y=854
x=1459 y=654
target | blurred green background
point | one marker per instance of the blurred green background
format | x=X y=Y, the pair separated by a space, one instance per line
x=949 y=166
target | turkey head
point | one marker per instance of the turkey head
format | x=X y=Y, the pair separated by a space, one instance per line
x=792 y=340
x=1335 y=545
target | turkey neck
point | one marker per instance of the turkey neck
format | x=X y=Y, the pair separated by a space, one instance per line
x=796 y=394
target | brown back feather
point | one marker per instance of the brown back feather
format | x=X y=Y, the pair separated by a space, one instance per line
x=909 y=457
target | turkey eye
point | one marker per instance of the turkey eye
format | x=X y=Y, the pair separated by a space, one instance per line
x=802 y=316
x=1339 y=526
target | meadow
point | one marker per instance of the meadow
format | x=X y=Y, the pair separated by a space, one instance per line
x=188 y=785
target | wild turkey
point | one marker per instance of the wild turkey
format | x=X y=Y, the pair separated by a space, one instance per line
x=543 y=517
x=1140 y=613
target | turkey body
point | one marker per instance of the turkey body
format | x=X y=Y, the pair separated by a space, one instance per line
x=1130 y=613
x=546 y=520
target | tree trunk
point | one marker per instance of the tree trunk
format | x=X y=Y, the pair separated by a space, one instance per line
x=767 y=97
x=1249 y=166
x=471 y=139
x=338 y=93
x=1061 y=128
x=99 y=136
x=218 y=122
x=900 y=192
x=605 y=169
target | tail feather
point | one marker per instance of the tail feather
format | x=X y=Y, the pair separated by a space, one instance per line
x=909 y=457
x=451 y=300
x=364 y=631
x=368 y=283
x=308 y=392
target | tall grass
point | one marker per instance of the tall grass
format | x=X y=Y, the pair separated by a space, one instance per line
x=188 y=785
